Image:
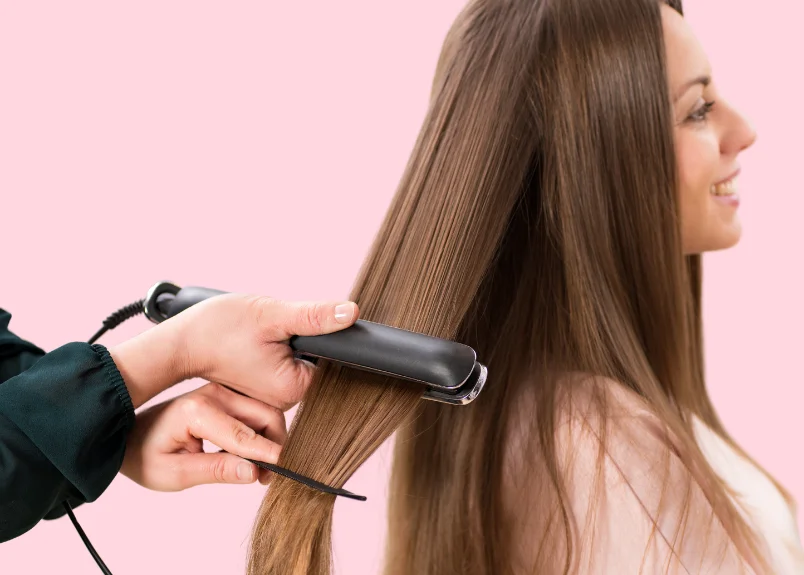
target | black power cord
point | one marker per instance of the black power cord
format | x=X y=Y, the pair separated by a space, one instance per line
x=119 y=317
x=110 y=322
x=85 y=539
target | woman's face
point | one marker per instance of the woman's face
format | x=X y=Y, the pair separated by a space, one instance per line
x=709 y=136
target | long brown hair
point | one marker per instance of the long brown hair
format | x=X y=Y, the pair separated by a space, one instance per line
x=536 y=221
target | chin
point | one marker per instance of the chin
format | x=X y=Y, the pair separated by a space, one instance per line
x=727 y=237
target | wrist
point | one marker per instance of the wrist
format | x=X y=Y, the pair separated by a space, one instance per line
x=152 y=361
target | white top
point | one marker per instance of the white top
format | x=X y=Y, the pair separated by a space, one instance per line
x=762 y=504
x=652 y=515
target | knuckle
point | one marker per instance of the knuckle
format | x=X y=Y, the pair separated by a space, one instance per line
x=243 y=435
x=219 y=469
x=276 y=416
x=214 y=389
x=311 y=315
x=259 y=306
x=194 y=405
x=275 y=419
x=263 y=300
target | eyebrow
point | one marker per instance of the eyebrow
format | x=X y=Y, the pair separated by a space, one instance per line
x=702 y=80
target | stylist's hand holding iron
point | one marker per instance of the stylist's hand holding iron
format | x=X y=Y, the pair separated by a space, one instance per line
x=237 y=340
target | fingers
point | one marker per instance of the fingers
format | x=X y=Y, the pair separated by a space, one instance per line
x=266 y=420
x=205 y=468
x=281 y=319
x=208 y=419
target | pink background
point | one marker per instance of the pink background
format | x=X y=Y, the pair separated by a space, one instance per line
x=255 y=146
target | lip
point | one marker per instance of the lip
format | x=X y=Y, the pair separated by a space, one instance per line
x=727 y=178
x=732 y=201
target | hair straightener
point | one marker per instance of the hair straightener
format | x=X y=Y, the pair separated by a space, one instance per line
x=448 y=370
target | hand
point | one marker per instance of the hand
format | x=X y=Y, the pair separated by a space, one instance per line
x=241 y=341
x=237 y=340
x=165 y=450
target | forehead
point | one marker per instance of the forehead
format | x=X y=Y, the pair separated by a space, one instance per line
x=686 y=58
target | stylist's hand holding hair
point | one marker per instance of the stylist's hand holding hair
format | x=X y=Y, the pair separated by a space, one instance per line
x=238 y=342
x=165 y=451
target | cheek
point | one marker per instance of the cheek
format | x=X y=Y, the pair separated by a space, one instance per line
x=698 y=157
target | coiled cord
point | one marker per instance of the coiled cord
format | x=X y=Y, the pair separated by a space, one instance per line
x=111 y=322
x=119 y=317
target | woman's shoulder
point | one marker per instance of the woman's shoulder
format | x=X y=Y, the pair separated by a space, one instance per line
x=590 y=411
x=598 y=418
x=627 y=484
x=590 y=406
x=601 y=432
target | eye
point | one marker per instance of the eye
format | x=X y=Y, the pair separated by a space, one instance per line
x=700 y=114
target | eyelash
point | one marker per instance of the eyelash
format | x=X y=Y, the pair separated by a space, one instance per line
x=701 y=113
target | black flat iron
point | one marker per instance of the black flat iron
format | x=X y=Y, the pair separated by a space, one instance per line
x=449 y=370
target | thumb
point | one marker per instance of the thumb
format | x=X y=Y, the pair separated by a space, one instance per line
x=205 y=468
x=309 y=318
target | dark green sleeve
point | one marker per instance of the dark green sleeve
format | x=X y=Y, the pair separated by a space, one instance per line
x=64 y=420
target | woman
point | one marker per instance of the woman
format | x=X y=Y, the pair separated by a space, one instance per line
x=576 y=161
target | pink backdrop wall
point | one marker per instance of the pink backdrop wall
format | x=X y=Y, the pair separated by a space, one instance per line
x=255 y=146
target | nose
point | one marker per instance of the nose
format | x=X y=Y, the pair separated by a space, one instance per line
x=749 y=133
x=740 y=134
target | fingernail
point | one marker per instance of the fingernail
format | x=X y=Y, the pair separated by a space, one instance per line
x=244 y=471
x=344 y=312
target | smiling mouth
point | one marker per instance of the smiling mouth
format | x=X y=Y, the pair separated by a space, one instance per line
x=726 y=188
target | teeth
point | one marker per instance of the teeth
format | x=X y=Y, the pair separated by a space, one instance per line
x=726 y=188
